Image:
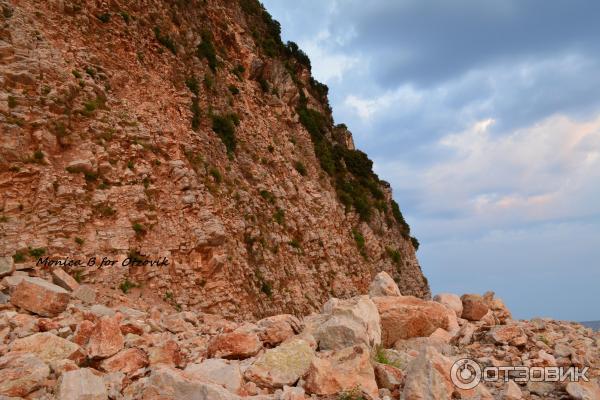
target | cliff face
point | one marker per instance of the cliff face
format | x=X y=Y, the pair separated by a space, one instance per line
x=186 y=130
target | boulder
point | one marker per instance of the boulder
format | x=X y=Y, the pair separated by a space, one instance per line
x=508 y=334
x=452 y=301
x=474 y=307
x=428 y=377
x=342 y=370
x=167 y=383
x=512 y=391
x=40 y=297
x=274 y=330
x=81 y=384
x=48 y=347
x=222 y=372
x=106 y=338
x=583 y=390
x=383 y=285
x=168 y=352
x=241 y=343
x=21 y=373
x=388 y=376
x=7 y=266
x=281 y=366
x=126 y=361
x=85 y=293
x=349 y=322
x=64 y=280
x=404 y=317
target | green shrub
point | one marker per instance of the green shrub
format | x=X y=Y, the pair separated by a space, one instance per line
x=238 y=71
x=79 y=241
x=266 y=288
x=195 y=109
x=216 y=174
x=264 y=84
x=265 y=194
x=394 y=255
x=127 y=285
x=224 y=127
x=38 y=155
x=206 y=50
x=209 y=81
x=90 y=71
x=405 y=229
x=126 y=17
x=415 y=242
x=382 y=358
x=234 y=90
x=19 y=257
x=294 y=51
x=130 y=165
x=193 y=84
x=105 y=210
x=76 y=74
x=295 y=243
x=165 y=40
x=139 y=229
x=300 y=168
x=279 y=216
x=104 y=17
x=12 y=101
x=37 y=252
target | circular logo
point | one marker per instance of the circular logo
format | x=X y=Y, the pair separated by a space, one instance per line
x=465 y=374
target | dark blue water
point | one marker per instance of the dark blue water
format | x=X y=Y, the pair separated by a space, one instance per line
x=595 y=325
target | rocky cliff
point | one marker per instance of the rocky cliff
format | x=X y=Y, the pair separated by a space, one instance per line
x=186 y=130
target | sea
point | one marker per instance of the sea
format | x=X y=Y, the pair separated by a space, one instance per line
x=595 y=325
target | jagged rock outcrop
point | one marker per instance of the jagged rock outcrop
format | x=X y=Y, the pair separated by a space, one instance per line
x=185 y=130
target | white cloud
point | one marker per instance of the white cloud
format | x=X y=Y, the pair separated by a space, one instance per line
x=544 y=172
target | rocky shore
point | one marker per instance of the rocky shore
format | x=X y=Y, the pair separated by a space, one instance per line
x=57 y=341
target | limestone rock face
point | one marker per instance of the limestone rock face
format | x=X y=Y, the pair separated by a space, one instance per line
x=81 y=384
x=119 y=147
x=383 y=285
x=40 y=296
x=342 y=370
x=281 y=366
x=405 y=317
x=21 y=373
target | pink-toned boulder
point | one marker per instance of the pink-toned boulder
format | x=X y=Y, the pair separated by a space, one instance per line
x=239 y=344
x=167 y=353
x=64 y=280
x=126 y=361
x=474 y=307
x=405 y=317
x=341 y=371
x=21 y=373
x=48 y=347
x=274 y=330
x=83 y=332
x=106 y=338
x=40 y=297
x=388 y=377
x=451 y=301
x=383 y=285
x=508 y=334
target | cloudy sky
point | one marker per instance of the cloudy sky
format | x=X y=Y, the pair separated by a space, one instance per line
x=484 y=115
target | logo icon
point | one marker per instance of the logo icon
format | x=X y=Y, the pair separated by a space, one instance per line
x=465 y=374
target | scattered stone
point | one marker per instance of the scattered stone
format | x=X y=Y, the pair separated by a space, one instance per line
x=451 y=301
x=342 y=370
x=583 y=390
x=349 y=322
x=508 y=334
x=405 y=317
x=474 y=307
x=168 y=353
x=512 y=391
x=7 y=266
x=64 y=280
x=106 y=338
x=48 y=347
x=81 y=384
x=40 y=297
x=388 y=377
x=274 y=330
x=126 y=361
x=383 y=285
x=281 y=366
x=85 y=293
x=222 y=372
x=21 y=373
x=239 y=344
x=428 y=377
